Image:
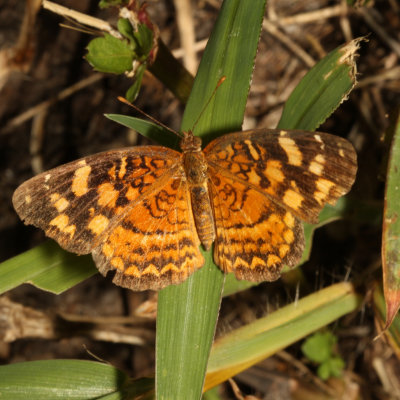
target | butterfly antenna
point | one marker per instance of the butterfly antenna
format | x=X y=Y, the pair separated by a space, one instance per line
x=125 y=101
x=220 y=82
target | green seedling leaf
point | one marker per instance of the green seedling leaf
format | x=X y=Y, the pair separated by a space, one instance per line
x=319 y=347
x=391 y=230
x=332 y=367
x=46 y=266
x=321 y=90
x=144 y=38
x=125 y=28
x=109 y=54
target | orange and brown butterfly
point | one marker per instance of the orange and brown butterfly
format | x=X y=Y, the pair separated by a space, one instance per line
x=144 y=211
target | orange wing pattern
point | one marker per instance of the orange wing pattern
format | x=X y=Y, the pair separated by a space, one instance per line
x=133 y=208
x=124 y=206
x=262 y=183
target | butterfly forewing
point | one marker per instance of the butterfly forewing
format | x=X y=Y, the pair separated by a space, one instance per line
x=120 y=205
x=299 y=170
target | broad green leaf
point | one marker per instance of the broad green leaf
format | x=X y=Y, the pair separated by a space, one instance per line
x=109 y=54
x=248 y=345
x=391 y=230
x=321 y=90
x=46 y=266
x=187 y=313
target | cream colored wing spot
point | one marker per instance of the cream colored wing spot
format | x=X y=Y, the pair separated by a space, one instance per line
x=252 y=150
x=317 y=165
x=80 y=181
x=61 y=223
x=28 y=199
x=61 y=204
x=273 y=171
x=98 y=224
x=107 y=195
x=292 y=151
x=323 y=188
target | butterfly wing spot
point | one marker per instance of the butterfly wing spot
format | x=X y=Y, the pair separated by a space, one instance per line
x=293 y=199
x=80 y=180
x=317 y=165
x=273 y=171
x=293 y=153
x=107 y=195
x=60 y=203
x=98 y=224
x=61 y=222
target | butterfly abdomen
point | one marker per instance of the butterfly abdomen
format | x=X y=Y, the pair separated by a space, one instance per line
x=197 y=176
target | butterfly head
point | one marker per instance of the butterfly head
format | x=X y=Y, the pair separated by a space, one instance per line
x=190 y=143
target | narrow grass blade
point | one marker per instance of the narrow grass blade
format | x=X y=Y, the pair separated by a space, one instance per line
x=254 y=342
x=146 y=128
x=187 y=313
x=322 y=89
x=46 y=266
x=63 y=379
x=391 y=230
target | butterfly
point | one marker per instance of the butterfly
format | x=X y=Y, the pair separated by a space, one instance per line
x=144 y=211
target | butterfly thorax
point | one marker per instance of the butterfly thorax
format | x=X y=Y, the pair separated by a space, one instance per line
x=195 y=166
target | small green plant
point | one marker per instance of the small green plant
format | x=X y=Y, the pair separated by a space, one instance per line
x=320 y=349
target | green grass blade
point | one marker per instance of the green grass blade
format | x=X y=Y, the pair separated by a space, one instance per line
x=61 y=379
x=46 y=266
x=321 y=90
x=187 y=313
x=254 y=342
x=146 y=128
x=391 y=230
